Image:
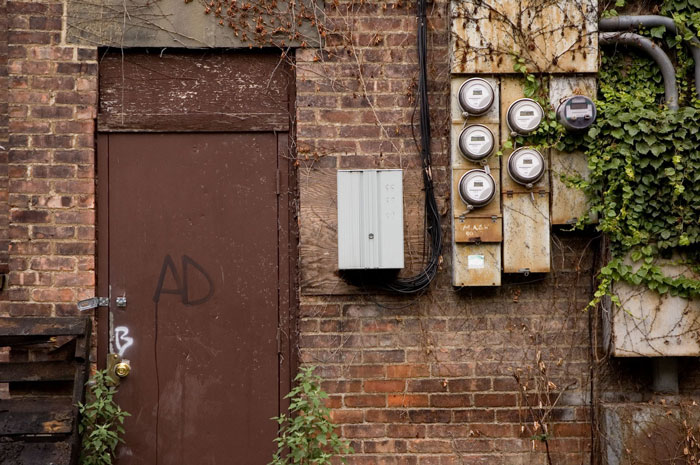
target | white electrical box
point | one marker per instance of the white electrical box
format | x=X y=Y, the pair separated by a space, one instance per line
x=370 y=219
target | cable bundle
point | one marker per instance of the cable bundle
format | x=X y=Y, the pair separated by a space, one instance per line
x=421 y=280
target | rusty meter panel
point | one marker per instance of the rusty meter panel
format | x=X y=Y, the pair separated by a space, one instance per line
x=552 y=36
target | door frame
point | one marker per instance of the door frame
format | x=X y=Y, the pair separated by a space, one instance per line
x=288 y=237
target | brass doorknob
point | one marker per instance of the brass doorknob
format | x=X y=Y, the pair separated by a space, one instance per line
x=122 y=369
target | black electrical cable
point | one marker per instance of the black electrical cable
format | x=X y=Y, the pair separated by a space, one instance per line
x=423 y=279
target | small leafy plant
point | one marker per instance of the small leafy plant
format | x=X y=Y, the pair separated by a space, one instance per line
x=101 y=421
x=307 y=435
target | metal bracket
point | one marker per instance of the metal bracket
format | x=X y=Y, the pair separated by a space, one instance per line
x=94 y=302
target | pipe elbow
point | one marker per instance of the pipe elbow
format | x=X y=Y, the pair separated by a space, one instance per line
x=656 y=53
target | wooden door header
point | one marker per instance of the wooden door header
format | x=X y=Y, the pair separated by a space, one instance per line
x=211 y=91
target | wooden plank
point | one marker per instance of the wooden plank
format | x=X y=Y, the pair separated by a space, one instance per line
x=526 y=233
x=36 y=416
x=478 y=229
x=35 y=453
x=568 y=203
x=196 y=91
x=318 y=242
x=37 y=371
x=29 y=326
x=476 y=265
x=555 y=37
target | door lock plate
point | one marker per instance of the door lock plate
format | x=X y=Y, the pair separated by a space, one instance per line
x=117 y=368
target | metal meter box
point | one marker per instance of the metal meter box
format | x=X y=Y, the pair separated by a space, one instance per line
x=370 y=219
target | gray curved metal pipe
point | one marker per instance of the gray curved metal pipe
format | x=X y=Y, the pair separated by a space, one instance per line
x=623 y=23
x=655 y=52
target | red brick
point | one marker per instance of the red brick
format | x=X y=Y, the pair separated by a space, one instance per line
x=30 y=216
x=53 y=263
x=408 y=400
x=384 y=385
x=450 y=400
x=407 y=371
x=386 y=416
x=364 y=400
x=53 y=295
x=494 y=400
x=347 y=416
x=364 y=431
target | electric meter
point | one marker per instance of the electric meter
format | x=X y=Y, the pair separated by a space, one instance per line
x=476 y=142
x=477 y=188
x=476 y=96
x=526 y=166
x=524 y=115
x=576 y=113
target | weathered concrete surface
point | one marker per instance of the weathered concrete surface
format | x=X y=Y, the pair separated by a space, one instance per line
x=167 y=23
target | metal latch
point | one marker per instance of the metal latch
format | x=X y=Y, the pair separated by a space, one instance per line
x=94 y=302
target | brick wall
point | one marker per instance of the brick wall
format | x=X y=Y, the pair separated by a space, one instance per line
x=415 y=380
x=4 y=135
x=429 y=379
x=52 y=97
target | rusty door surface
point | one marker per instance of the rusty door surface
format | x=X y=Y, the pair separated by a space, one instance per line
x=194 y=246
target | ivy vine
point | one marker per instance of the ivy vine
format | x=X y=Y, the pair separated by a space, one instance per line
x=644 y=162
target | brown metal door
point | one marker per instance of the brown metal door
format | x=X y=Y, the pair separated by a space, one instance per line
x=194 y=246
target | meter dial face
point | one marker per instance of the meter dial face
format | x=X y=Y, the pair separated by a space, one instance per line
x=476 y=142
x=476 y=96
x=526 y=166
x=576 y=113
x=524 y=115
x=477 y=188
